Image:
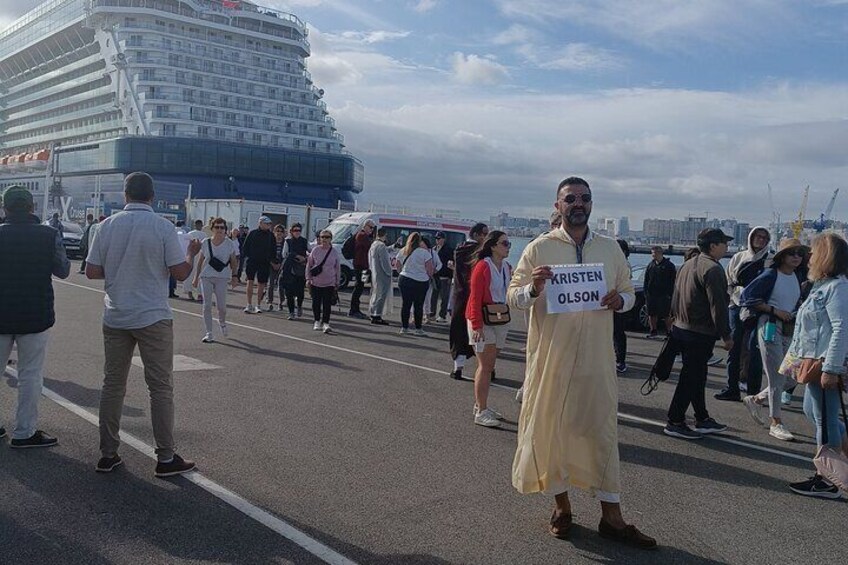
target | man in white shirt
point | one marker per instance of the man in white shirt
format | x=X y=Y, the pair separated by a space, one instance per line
x=135 y=252
x=185 y=238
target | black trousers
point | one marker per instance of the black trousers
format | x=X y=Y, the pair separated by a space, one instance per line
x=294 y=292
x=322 y=303
x=276 y=281
x=413 y=293
x=691 y=385
x=358 y=289
x=619 y=338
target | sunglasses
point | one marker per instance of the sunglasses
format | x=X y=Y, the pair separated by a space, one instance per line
x=796 y=253
x=506 y=244
x=326 y=237
x=572 y=198
x=219 y=227
x=295 y=230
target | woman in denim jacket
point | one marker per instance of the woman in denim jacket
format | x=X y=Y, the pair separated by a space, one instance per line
x=821 y=332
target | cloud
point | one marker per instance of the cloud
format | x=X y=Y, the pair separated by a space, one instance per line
x=424 y=6
x=535 y=48
x=473 y=69
x=659 y=23
x=371 y=37
x=647 y=152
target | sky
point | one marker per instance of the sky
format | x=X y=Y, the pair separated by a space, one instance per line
x=666 y=107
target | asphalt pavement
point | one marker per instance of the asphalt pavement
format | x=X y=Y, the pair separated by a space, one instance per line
x=360 y=444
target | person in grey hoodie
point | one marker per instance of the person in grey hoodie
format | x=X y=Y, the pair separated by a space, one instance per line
x=743 y=268
x=381 y=277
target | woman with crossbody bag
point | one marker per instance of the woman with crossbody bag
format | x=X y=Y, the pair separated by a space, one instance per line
x=323 y=270
x=817 y=354
x=216 y=268
x=488 y=318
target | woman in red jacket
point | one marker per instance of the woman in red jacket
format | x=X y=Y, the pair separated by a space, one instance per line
x=489 y=280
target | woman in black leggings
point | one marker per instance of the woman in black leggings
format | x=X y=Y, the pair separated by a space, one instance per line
x=416 y=268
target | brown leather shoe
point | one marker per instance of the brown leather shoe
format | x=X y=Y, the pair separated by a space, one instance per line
x=627 y=535
x=560 y=525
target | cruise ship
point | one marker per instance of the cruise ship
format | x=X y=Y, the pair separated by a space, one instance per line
x=211 y=97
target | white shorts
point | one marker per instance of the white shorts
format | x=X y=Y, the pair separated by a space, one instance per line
x=492 y=335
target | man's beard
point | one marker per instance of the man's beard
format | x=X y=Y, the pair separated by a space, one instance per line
x=578 y=218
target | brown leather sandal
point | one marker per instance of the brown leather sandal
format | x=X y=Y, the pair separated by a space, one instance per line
x=627 y=535
x=560 y=525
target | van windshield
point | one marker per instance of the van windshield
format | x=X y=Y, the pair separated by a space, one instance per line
x=341 y=231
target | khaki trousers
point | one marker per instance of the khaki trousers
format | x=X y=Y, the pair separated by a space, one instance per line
x=156 y=347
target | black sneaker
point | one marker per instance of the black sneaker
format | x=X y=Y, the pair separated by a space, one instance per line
x=681 y=431
x=709 y=426
x=456 y=374
x=2 y=432
x=177 y=466
x=38 y=439
x=493 y=375
x=815 y=486
x=358 y=315
x=621 y=367
x=730 y=394
x=107 y=464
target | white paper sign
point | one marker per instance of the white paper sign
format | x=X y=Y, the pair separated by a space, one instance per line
x=576 y=288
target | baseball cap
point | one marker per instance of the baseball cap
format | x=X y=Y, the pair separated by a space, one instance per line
x=713 y=235
x=264 y=220
x=17 y=196
x=440 y=235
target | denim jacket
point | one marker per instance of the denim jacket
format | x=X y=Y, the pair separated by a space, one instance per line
x=821 y=330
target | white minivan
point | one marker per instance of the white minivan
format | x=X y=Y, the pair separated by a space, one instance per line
x=398 y=227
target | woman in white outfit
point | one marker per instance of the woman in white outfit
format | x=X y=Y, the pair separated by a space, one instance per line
x=214 y=275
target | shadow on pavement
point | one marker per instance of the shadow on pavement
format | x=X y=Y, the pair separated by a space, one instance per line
x=249 y=347
x=703 y=468
x=84 y=396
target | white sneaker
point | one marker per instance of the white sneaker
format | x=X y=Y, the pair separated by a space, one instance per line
x=780 y=432
x=441 y=319
x=326 y=328
x=487 y=418
x=420 y=333
x=405 y=331
x=248 y=309
x=519 y=396
x=786 y=398
x=224 y=330
x=754 y=409
x=316 y=326
x=270 y=308
x=494 y=412
x=257 y=310
x=208 y=338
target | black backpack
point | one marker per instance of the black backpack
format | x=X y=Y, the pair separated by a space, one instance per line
x=349 y=247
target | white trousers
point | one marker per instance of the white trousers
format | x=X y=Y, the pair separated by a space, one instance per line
x=217 y=287
x=31 y=350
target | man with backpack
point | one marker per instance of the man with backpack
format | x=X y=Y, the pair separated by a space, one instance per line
x=361 y=245
x=743 y=268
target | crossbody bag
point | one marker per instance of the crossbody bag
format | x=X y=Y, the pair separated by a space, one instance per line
x=214 y=262
x=497 y=314
x=317 y=269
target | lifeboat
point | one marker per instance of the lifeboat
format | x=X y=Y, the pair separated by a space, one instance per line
x=4 y=161
x=18 y=161
x=37 y=160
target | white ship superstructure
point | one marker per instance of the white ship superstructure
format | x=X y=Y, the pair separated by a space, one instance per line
x=73 y=72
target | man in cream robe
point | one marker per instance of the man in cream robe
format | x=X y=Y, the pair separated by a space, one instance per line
x=381 y=277
x=567 y=433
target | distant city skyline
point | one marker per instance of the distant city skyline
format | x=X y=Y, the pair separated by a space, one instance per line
x=667 y=109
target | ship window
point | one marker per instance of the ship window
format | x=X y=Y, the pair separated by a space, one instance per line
x=257 y=138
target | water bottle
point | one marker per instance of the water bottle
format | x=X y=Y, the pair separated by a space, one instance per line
x=770 y=330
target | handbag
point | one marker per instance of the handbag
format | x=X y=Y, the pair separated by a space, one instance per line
x=663 y=366
x=831 y=463
x=317 y=269
x=214 y=262
x=496 y=314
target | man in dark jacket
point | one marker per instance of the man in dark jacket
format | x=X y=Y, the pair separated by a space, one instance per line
x=362 y=244
x=460 y=347
x=659 y=287
x=259 y=250
x=26 y=305
x=443 y=278
x=89 y=221
x=699 y=309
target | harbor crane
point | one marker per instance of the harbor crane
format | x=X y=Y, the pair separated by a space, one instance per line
x=798 y=224
x=824 y=219
x=775 y=217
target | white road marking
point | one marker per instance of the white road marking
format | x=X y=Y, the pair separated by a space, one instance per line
x=229 y=497
x=183 y=363
x=623 y=416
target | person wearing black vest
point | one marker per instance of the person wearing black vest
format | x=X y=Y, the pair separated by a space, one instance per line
x=293 y=276
x=26 y=304
x=443 y=278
